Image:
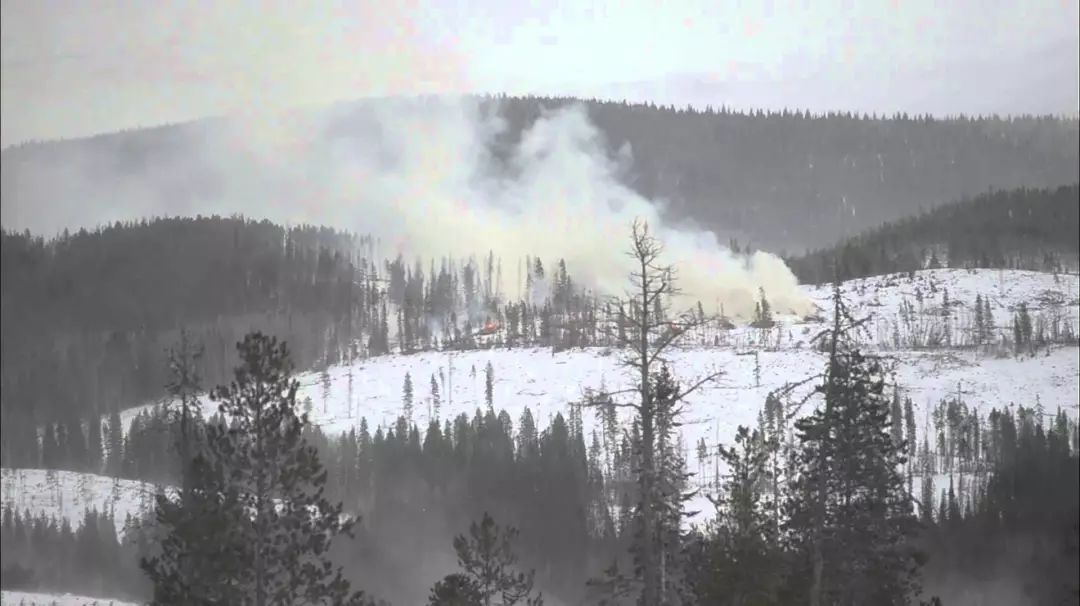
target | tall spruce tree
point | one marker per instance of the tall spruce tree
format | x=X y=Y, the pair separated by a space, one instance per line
x=489 y=385
x=407 y=397
x=436 y=400
x=259 y=495
x=198 y=560
x=850 y=514
x=739 y=561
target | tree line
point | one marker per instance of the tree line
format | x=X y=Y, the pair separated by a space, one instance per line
x=87 y=317
x=780 y=179
x=1033 y=229
x=821 y=508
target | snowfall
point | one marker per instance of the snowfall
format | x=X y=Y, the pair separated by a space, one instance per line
x=751 y=363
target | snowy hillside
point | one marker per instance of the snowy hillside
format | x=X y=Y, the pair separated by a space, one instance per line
x=22 y=598
x=547 y=382
x=1005 y=287
x=68 y=495
x=1049 y=295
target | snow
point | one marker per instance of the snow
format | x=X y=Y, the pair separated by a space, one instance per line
x=68 y=495
x=546 y=383
x=1005 y=287
x=22 y=598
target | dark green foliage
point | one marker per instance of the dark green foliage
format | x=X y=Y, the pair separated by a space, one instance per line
x=202 y=557
x=489 y=385
x=456 y=590
x=486 y=557
x=739 y=560
x=407 y=397
x=257 y=501
x=1019 y=542
x=101 y=327
x=1021 y=229
x=41 y=555
x=850 y=513
x=87 y=316
x=762 y=312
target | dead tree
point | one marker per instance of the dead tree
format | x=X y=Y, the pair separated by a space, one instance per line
x=640 y=328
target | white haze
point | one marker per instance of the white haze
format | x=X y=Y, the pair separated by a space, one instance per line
x=431 y=187
x=419 y=174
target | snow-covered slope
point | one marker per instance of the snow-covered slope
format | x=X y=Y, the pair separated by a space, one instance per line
x=22 y=598
x=547 y=382
x=1006 y=288
x=68 y=495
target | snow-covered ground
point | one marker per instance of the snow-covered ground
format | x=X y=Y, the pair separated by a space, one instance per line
x=1006 y=288
x=546 y=383
x=22 y=598
x=68 y=495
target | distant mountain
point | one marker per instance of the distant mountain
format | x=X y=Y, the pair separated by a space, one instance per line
x=1019 y=229
x=784 y=181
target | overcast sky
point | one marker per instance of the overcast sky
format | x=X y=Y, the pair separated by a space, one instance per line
x=74 y=68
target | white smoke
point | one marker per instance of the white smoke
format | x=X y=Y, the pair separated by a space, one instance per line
x=421 y=175
x=424 y=177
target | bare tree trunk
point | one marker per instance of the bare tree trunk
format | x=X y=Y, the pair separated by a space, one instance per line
x=648 y=459
x=636 y=319
x=822 y=488
x=260 y=501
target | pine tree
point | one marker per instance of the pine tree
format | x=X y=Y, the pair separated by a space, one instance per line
x=912 y=443
x=1025 y=324
x=94 y=440
x=980 y=321
x=259 y=496
x=197 y=562
x=201 y=559
x=896 y=420
x=184 y=385
x=489 y=385
x=75 y=453
x=115 y=444
x=739 y=563
x=988 y=321
x=349 y=382
x=671 y=479
x=456 y=590
x=926 y=505
x=436 y=401
x=850 y=512
x=324 y=381
x=762 y=311
x=488 y=563
x=1018 y=334
x=407 y=397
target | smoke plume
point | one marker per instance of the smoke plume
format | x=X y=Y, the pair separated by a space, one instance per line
x=430 y=177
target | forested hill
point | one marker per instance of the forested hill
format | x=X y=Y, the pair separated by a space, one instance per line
x=1037 y=229
x=784 y=181
x=87 y=316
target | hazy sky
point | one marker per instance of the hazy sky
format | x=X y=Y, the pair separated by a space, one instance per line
x=77 y=67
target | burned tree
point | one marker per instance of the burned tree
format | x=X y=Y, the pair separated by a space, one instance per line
x=644 y=328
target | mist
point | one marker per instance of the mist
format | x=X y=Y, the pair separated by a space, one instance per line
x=429 y=177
